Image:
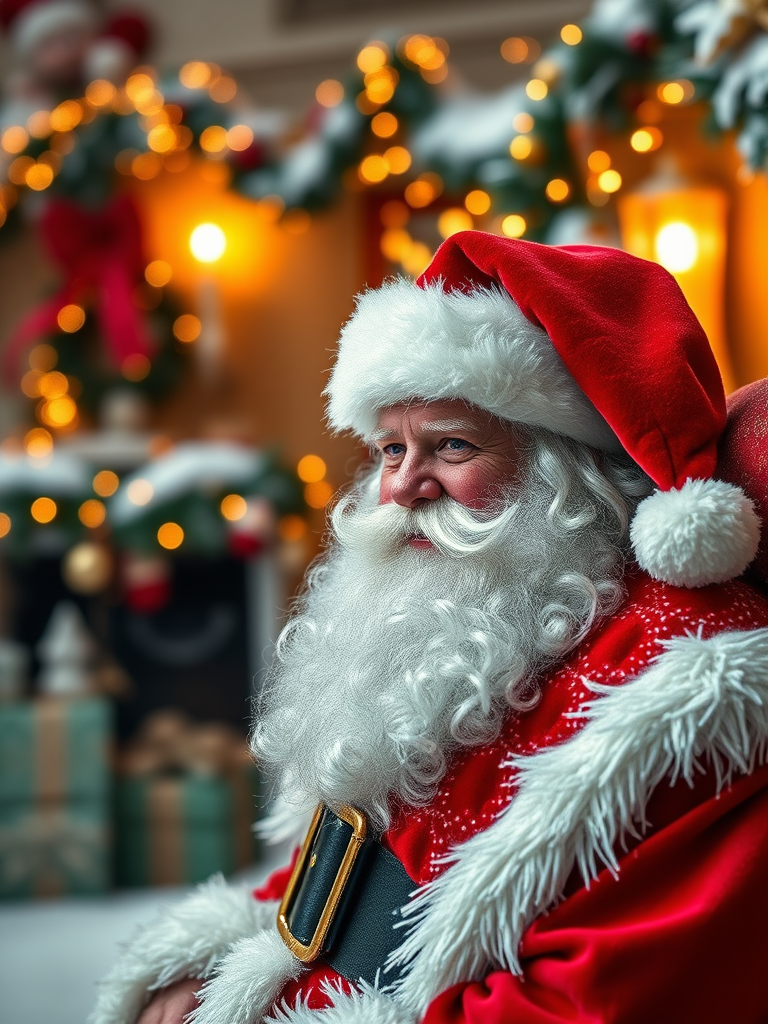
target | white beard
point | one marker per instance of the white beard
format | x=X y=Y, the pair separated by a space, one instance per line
x=395 y=656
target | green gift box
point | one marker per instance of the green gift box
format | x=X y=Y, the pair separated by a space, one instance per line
x=180 y=829
x=54 y=848
x=54 y=749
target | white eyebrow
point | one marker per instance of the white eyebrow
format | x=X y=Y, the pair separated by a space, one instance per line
x=433 y=427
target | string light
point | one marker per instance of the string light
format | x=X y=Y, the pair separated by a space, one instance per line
x=373 y=169
x=557 y=190
x=39 y=127
x=677 y=247
x=52 y=384
x=522 y=122
x=477 y=202
x=521 y=147
x=645 y=140
x=92 y=513
x=100 y=92
x=520 y=50
x=39 y=177
x=224 y=90
x=454 y=220
x=598 y=161
x=233 y=507
x=609 y=181
x=384 y=124
x=43 y=510
x=536 y=89
x=514 y=225
x=135 y=367
x=317 y=495
x=38 y=443
x=14 y=139
x=70 y=318
x=43 y=358
x=310 y=469
x=66 y=116
x=329 y=93
x=239 y=137
x=5 y=524
x=59 y=412
x=140 y=491
x=291 y=528
x=422 y=191
x=158 y=273
x=571 y=35
x=397 y=159
x=677 y=92
x=373 y=57
x=207 y=242
x=105 y=483
x=146 y=166
x=213 y=139
x=170 y=536
x=187 y=328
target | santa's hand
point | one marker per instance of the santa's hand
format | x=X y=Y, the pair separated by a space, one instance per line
x=171 y=1005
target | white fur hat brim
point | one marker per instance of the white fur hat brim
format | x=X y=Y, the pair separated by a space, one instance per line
x=405 y=343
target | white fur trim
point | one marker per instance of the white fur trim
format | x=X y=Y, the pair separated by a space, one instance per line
x=184 y=941
x=39 y=21
x=365 y=1005
x=404 y=342
x=247 y=982
x=701 y=699
x=705 y=532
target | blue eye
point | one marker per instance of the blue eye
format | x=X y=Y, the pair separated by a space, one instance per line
x=393 y=449
x=457 y=444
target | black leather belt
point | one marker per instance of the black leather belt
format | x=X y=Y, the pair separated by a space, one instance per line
x=343 y=898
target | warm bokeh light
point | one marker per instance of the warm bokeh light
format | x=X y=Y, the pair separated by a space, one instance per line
x=140 y=491
x=138 y=84
x=373 y=169
x=394 y=214
x=477 y=202
x=207 y=243
x=518 y=50
x=146 y=166
x=14 y=139
x=513 y=225
x=99 y=92
x=92 y=513
x=233 y=507
x=186 y=328
x=70 y=318
x=105 y=483
x=557 y=190
x=372 y=57
x=395 y=243
x=213 y=139
x=66 y=116
x=17 y=171
x=317 y=495
x=30 y=383
x=239 y=137
x=291 y=528
x=384 y=124
x=329 y=93
x=571 y=35
x=59 y=412
x=453 y=220
x=39 y=127
x=311 y=468
x=135 y=367
x=43 y=510
x=38 y=443
x=548 y=70
x=521 y=147
x=415 y=261
x=645 y=140
x=598 y=161
x=223 y=90
x=536 y=89
x=161 y=138
x=676 y=246
x=5 y=524
x=523 y=122
x=158 y=273
x=421 y=192
x=398 y=159
x=170 y=536
x=609 y=181
x=673 y=93
x=195 y=74
x=52 y=384
x=380 y=85
x=39 y=177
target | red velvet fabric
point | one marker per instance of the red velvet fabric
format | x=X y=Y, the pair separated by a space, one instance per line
x=625 y=332
x=678 y=937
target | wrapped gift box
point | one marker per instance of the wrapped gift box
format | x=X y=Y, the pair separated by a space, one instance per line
x=55 y=749
x=180 y=829
x=54 y=848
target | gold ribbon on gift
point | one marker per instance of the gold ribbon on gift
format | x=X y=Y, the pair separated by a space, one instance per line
x=50 y=748
x=165 y=831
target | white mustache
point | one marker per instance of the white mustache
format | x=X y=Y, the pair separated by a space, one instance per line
x=450 y=527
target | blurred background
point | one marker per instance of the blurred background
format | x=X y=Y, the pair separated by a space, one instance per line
x=191 y=194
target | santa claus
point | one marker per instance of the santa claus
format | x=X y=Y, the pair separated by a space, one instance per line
x=524 y=687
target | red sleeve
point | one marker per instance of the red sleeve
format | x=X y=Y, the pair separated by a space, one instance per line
x=681 y=936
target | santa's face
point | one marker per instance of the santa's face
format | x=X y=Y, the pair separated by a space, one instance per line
x=444 y=448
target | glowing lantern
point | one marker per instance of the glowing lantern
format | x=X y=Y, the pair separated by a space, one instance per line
x=683 y=228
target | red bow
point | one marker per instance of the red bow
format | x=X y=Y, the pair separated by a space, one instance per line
x=99 y=251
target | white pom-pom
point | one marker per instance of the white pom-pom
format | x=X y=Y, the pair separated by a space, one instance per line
x=705 y=532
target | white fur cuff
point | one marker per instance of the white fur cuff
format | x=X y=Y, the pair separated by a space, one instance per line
x=184 y=941
x=361 y=1006
x=705 y=532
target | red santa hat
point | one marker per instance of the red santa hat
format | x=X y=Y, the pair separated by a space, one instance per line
x=31 y=21
x=586 y=341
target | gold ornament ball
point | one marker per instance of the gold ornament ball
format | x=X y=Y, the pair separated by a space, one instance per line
x=87 y=568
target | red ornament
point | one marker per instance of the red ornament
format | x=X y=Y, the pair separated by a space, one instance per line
x=642 y=44
x=146 y=583
x=743 y=456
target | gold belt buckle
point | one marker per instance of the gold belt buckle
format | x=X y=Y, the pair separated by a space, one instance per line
x=309 y=952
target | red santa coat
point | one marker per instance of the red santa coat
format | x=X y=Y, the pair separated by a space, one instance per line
x=602 y=862
x=673 y=927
